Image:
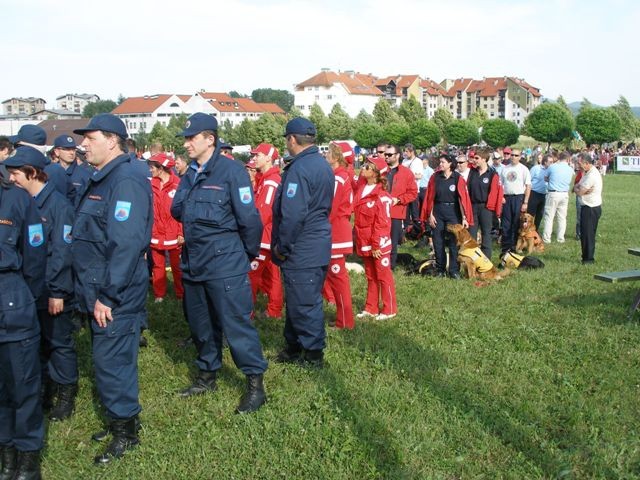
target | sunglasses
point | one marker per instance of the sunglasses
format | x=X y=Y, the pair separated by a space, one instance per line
x=389 y=154
x=368 y=166
x=380 y=152
x=515 y=155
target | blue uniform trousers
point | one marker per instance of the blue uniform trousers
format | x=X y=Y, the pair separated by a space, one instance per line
x=510 y=221
x=482 y=220
x=21 y=419
x=214 y=307
x=446 y=214
x=396 y=238
x=304 y=323
x=58 y=347
x=115 y=359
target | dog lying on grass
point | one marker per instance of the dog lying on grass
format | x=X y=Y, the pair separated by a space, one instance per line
x=528 y=236
x=413 y=266
x=516 y=261
x=476 y=263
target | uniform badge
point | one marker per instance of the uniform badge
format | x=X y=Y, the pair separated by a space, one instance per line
x=335 y=268
x=452 y=188
x=122 y=210
x=36 y=235
x=172 y=194
x=370 y=204
x=66 y=233
x=245 y=195
x=69 y=139
x=292 y=188
x=254 y=265
x=384 y=262
x=485 y=180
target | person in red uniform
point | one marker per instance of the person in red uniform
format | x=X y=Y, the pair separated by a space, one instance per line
x=166 y=235
x=264 y=274
x=447 y=203
x=372 y=207
x=336 y=285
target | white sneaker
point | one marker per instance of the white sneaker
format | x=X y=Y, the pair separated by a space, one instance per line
x=159 y=300
x=385 y=316
x=365 y=314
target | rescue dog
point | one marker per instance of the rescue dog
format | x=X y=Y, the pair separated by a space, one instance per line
x=528 y=236
x=413 y=266
x=471 y=257
x=516 y=261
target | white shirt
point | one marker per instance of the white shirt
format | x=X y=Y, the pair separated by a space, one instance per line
x=415 y=166
x=515 y=178
x=592 y=178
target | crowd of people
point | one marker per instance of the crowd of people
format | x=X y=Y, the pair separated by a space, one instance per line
x=83 y=230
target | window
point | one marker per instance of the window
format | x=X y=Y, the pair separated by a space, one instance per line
x=329 y=97
x=492 y=114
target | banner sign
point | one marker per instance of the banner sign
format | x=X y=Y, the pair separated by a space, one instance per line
x=627 y=164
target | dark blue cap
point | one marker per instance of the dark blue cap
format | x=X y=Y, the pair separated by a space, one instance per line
x=30 y=134
x=64 y=141
x=106 y=122
x=26 y=156
x=224 y=146
x=199 y=122
x=300 y=126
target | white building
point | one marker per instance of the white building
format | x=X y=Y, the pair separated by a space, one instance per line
x=75 y=102
x=140 y=114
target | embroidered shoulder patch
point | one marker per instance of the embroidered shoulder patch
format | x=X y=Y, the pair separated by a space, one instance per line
x=66 y=233
x=245 y=195
x=36 y=235
x=292 y=188
x=122 y=211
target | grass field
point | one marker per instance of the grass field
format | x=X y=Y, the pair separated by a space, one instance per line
x=533 y=377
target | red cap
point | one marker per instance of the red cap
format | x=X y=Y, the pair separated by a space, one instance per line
x=506 y=150
x=380 y=164
x=471 y=154
x=347 y=151
x=163 y=159
x=268 y=149
x=251 y=164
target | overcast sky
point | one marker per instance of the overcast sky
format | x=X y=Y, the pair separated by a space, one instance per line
x=574 y=48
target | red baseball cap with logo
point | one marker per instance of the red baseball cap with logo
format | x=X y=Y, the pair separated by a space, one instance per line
x=163 y=159
x=267 y=149
x=347 y=151
x=506 y=150
x=379 y=163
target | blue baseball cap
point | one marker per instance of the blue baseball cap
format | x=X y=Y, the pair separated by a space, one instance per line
x=106 y=122
x=64 y=141
x=198 y=122
x=26 y=156
x=30 y=134
x=300 y=126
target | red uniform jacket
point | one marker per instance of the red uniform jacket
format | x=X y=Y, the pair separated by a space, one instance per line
x=341 y=210
x=266 y=186
x=463 y=196
x=373 y=221
x=165 y=231
x=405 y=190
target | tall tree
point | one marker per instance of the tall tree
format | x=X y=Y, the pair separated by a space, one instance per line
x=585 y=104
x=101 y=106
x=339 y=124
x=268 y=130
x=424 y=134
x=319 y=119
x=411 y=110
x=630 y=123
x=235 y=94
x=368 y=134
x=563 y=103
x=479 y=117
x=548 y=123
x=461 y=133
x=442 y=117
x=282 y=98
x=598 y=125
x=295 y=112
x=500 y=132
x=384 y=114
x=396 y=133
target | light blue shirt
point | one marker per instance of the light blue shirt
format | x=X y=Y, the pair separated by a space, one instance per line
x=559 y=176
x=426 y=175
x=538 y=173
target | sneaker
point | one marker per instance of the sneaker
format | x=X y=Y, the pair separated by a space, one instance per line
x=385 y=316
x=159 y=300
x=365 y=314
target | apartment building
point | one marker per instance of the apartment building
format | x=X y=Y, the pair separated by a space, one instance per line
x=75 y=102
x=18 y=106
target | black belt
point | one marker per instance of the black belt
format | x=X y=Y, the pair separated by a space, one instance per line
x=446 y=203
x=513 y=194
x=557 y=191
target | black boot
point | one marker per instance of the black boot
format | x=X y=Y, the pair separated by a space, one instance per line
x=125 y=437
x=313 y=358
x=291 y=354
x=8 y=462
x=143 y=342
x=28 y=466
x=103 y=434
x=48 y=393
x=205 y=382
x=65 y=403
x=254 y=397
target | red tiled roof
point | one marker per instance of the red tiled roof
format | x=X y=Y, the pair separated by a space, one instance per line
x=433 y=88
x=355 y=83
x=533 y=90
x=146 y=104
x=225 y=103
x=460 y=84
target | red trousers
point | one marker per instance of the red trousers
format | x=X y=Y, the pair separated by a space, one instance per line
x=265 y=277
x=337 y=289
x=159 y=274
x=381 y=286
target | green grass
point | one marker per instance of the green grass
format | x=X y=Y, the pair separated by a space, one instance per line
x=536 y=376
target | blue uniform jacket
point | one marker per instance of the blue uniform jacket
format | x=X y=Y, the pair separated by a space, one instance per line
x=222 y=226
x=23 y=253
x=77 y=178
x=301 y=227
x=57 y=177
x=111 y=234
x=57 y=218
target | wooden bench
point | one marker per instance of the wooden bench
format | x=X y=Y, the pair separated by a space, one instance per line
x=618 y=277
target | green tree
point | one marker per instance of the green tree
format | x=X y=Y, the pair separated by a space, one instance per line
x=479 y=117
x=268 y=130
x=585 y=104
x=500 y=132
x=339 y=124
x=442 y=117
x=461 y=133
x=563 y=103
x=101 y=106
x=121 y=98
x=245 y=133
x=384 y=114
x=159 y=133
x=282 y=98
x=424 y=133
x=548 y=123
x=396 y=133
x=319 y=119
x=630 y=123
x=368 y=134
x=598 y=125
x=411 y=110
x=235 y=94
x=295 y=112
x=175 y=126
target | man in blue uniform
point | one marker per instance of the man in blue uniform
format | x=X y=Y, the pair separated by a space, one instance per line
x=111 y=233
x=64 y=151
x=301 y=242
x=55 y=306
x=222 y=232
x=23 y=254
